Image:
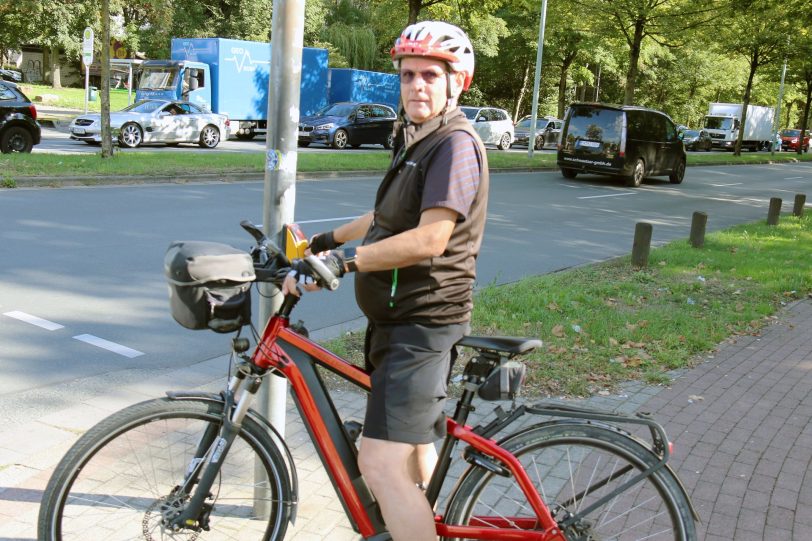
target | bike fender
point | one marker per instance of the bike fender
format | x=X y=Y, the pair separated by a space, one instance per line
x=293 y=478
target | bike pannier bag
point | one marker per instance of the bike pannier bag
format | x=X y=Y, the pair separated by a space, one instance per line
x=503 y=382
x=209 y=285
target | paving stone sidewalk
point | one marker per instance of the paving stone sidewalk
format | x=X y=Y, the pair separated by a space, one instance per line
x=740 y=423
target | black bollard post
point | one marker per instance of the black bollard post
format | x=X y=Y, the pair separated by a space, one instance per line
x=642 y=244
x=775 y=211
x=698 y=223
x=798 y=208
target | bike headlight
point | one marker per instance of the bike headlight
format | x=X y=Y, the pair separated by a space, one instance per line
x=328 y=126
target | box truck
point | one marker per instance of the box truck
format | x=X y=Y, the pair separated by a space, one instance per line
x=348 y=84
x=723 y=123
x=230 y=77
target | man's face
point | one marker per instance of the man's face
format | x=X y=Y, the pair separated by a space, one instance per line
x=423 y=87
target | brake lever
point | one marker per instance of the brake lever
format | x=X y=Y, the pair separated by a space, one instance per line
x=328 y=279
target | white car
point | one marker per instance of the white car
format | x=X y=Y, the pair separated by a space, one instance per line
x=493 y=125
x=155 y=121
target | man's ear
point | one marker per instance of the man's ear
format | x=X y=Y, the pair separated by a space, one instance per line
x=458 y=79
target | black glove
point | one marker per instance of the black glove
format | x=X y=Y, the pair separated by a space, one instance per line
x=323 y=242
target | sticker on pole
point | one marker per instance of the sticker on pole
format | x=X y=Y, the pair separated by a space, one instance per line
x=87 y=46
x=276 y=160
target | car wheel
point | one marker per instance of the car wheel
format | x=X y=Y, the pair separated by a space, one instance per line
x=568 y=173
x=504 y=142
x=539 y=142
x=638 y=173
x=340 y=140
x=678 y=173
x=16 y=139
x=389 y=142
x=209 y=137
x=303 y=144
x=131 y=135
x=172 y=144
x=246 y=136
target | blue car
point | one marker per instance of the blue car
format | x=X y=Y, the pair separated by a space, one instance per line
x=349 y=123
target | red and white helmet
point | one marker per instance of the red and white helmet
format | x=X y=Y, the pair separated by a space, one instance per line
x=439 y=40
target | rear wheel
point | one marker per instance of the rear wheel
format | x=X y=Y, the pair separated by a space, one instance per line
x=504 y=142
x=389 y=142
x=246 y=136
x=16 y=139
x=568 y=173
x=303 y=144
x=340 y=139
x=638 y=173
x=572 y=466
x=209 y=137
x=131 y=135
x=678 y=173
x=123 y=479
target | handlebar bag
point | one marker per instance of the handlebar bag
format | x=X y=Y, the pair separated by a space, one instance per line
x=209 y=285
x=503 y=382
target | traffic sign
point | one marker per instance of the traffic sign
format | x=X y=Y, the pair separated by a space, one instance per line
x=87 y=46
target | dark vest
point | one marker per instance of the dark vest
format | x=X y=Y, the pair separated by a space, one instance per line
x=438 y=290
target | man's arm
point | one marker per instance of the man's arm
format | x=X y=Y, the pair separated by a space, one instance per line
x=353 y=230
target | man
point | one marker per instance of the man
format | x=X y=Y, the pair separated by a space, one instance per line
x=415 y=270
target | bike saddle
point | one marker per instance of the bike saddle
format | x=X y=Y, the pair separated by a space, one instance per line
x=503 y=344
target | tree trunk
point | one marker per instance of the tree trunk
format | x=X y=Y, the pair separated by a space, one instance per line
x=522 y=91
x=107 y=139
x=56 y=68
x=414 y=10
x=742 y=122
x=805 y=117
x=566 y=62
x=634 y=60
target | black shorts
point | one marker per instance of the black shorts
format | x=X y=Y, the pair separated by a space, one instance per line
x=412 y=364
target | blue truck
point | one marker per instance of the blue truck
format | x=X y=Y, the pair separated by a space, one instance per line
x=347 y=84
x=230 y=77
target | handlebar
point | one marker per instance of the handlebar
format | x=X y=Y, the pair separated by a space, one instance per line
x=271 y=264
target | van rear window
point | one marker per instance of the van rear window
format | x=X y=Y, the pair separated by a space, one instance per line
x=594 y=124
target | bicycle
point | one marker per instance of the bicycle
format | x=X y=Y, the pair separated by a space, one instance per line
x=180 y=467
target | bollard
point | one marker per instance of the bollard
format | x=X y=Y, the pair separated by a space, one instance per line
x=698 y=223
x=642 y=244
x=798 y=208
x=775 y=211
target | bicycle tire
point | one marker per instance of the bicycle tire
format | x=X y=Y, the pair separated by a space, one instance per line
x=111 y=483
x=561 y=458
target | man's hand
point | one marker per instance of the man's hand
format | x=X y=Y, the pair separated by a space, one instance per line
x=301 y=274
x=323 y=242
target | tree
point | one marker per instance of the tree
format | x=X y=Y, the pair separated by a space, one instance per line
x=107 y=139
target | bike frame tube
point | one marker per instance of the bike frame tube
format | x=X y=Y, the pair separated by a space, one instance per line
x=295 y=357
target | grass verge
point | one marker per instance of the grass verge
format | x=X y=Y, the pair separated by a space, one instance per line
x=181 y=163
x=608 y=323
x=74 y=98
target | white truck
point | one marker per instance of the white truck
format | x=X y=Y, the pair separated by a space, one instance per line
x=723 y=122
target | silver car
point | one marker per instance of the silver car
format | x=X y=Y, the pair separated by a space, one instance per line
x=155 y=121
x=548 y=132
x=493 y=125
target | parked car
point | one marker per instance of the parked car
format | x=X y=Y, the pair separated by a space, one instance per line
x=493 y=125
x=625 y=141
x=790 y=139
x=11 y=75
x=548 y=132
x=155 y=121
x=19 y=130
x=349 y=123
x=697 y=140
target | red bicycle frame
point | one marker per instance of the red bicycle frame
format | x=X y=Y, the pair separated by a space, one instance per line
x=283 y=350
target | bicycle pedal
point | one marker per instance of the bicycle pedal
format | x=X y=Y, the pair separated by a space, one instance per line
x=475 y=458
x=353 y=429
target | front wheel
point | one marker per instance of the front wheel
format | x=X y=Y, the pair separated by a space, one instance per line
x=539 y=144
x=638 y=173
x=340 y=139
x=504 y=142
x=126 y=476
x=566 y=172
x=573 y=465
x=131 y=135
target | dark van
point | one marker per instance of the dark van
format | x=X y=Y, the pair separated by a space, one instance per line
x=626 y=141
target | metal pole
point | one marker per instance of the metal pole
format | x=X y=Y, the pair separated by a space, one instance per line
x=598 y=85
x=87 y=85
x=777 y=119
x=531 y=142
x=281 y=155
x=130 y=84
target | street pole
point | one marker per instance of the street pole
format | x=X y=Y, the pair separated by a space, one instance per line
x=284 y=79
x=777 y=119
x=531 y=142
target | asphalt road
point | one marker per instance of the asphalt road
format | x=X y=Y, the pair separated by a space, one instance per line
x=82 y=292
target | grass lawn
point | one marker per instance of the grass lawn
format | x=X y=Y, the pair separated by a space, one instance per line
x=608 y=323
x=74 y=98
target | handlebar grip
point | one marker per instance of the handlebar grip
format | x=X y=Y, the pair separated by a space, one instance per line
x=328 y=279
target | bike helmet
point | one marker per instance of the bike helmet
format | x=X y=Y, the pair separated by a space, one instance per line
x=438 y=40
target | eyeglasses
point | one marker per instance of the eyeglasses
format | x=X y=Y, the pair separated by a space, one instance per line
x=428 y=76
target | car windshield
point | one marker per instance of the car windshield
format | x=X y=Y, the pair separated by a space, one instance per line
x=690 y=133
x=791 y=133
x=541 y=123
x=595 y=124
x=336 y=109
x=470 y=112
x=146 y=106
x=158 y=79
x=718 y=123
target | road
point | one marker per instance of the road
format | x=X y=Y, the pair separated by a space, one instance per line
x=82 y=292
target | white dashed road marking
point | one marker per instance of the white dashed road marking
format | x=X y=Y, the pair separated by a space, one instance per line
x=724 y=185
x=607 y=195
x=34 y=320
x=108 y=345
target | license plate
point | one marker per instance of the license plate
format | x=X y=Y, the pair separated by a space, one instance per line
x=304 y=134
x=79 y=131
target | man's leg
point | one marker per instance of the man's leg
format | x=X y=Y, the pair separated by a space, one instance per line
x=385 y=466
x=422 y=464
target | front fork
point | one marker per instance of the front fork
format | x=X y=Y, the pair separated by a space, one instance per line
x=212 y=448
